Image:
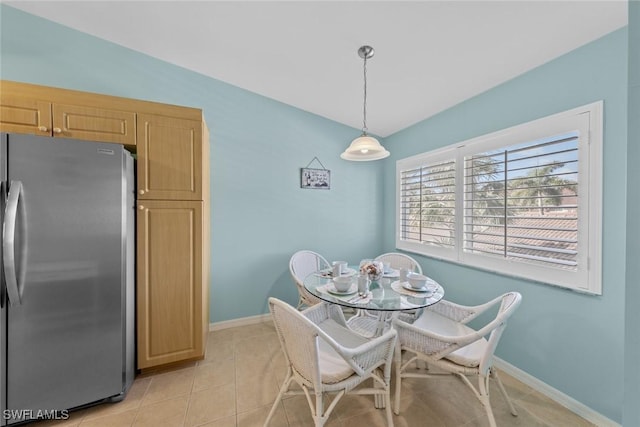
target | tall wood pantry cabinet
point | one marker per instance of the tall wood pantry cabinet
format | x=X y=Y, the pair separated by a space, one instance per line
x=171 y=144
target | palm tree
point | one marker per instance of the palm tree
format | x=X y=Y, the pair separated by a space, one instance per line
x=486 y=189
x=542 y=187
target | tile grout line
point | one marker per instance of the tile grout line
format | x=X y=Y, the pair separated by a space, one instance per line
x=139 y=407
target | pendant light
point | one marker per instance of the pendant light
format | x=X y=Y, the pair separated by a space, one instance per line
x=365 y=147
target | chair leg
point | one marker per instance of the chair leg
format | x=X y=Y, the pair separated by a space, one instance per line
x=301 y=303
x=398 y=362
x=319 y=417
x=512 y=408
x=283 y=390
x=483 y=382
x=388 y=405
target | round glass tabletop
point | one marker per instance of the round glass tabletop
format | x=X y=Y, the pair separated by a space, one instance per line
x=386 y=294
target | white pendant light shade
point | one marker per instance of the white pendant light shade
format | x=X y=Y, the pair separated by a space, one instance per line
x=364 y=148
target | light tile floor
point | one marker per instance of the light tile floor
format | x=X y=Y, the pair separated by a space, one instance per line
x=237 y=382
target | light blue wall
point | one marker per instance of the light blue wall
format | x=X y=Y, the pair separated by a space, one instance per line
x=260 y=216
x=632 y=313
x=571 y=341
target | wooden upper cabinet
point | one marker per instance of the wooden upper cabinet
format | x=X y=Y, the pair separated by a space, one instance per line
x=169 y=158
x=32 y=116
x=94 y=124
x=24 y=115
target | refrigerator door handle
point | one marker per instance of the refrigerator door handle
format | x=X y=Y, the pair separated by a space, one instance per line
x=14 y=278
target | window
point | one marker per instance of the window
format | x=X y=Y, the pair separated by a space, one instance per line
x=525 y=201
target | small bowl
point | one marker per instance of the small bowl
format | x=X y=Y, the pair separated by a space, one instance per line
x=342 y=283
x=417 y=281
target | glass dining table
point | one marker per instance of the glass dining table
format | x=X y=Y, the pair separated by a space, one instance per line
x=387 y=297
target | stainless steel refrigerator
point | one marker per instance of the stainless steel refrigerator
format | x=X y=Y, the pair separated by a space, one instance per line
x=67 y=289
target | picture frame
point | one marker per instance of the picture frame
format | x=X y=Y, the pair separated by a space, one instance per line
x=315 y=179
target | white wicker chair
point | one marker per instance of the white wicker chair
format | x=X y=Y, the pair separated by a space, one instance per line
x=301 y=264
x=364 y=322
x=398 y=261
x=441 y=337
x=325 y=357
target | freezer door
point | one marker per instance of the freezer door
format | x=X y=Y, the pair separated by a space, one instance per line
x=3 y=297
x=65 y=339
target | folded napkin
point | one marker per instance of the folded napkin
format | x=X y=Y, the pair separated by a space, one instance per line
x=351 y=298
x=397 y=286
x=364 y=300
x=391 y=273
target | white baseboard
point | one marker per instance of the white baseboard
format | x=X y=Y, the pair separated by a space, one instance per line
x=244 y=321
x=555 y=395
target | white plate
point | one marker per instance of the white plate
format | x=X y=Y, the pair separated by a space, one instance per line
x=352 y=290
x=408 y=287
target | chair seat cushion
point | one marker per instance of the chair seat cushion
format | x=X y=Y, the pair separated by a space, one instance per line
x=468 y=355
x=333 y=367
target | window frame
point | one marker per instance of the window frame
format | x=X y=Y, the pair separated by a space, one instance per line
x=588 y=120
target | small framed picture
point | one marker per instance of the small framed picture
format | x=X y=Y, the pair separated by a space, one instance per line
x=318 y=179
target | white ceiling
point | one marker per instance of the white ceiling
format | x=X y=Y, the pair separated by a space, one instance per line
x=430 y=55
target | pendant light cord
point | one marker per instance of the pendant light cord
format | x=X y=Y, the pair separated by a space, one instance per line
x=364 y=108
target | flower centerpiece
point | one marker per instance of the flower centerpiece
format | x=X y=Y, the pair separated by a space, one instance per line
x=373 y=269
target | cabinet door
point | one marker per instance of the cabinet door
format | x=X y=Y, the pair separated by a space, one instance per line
x=94 y=124
x=22 y=115
x=169 y=158
x=170 y=288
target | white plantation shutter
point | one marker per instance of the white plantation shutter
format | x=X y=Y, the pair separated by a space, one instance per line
x=521 y=202
x=427 y=206
x=525 y=201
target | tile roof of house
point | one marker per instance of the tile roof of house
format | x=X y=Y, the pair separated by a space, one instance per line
x=533 y=236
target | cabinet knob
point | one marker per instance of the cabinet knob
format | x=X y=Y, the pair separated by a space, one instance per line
x=43 y=128
x=57 y=130
x=141 y=207
x=141 y=191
